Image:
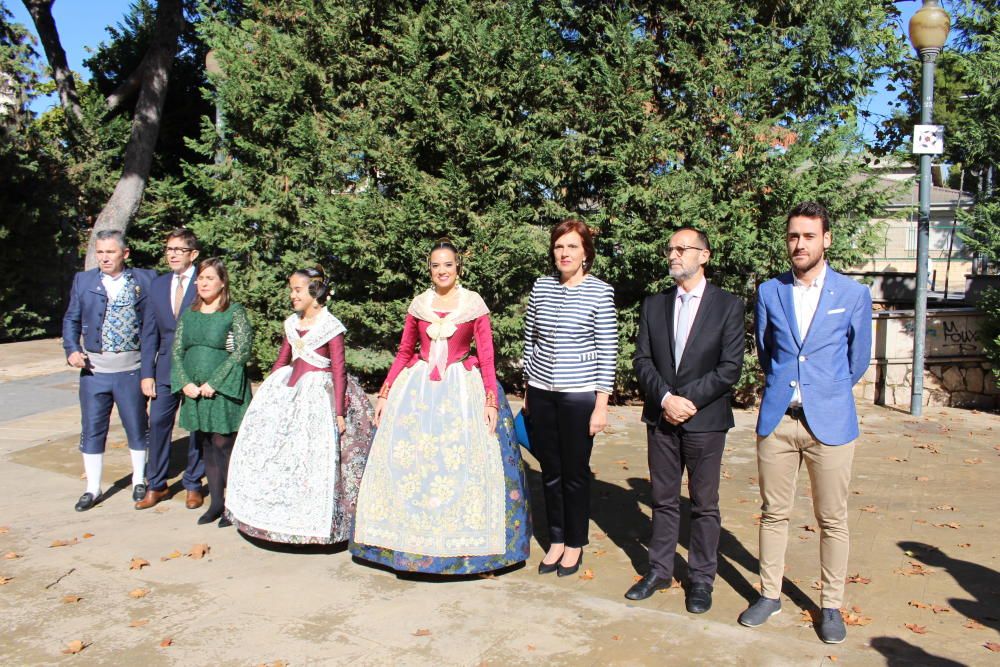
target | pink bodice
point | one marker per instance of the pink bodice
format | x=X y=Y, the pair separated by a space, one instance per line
x=332 y=350
x=459 y=345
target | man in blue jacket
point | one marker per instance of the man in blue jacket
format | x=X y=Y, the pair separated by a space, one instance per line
x=103 y=336
x=171 y=294
x=813 y=330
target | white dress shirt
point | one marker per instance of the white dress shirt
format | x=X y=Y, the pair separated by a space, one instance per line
x=188 y=275
x=696 y=295
x=805 y=298
x=113 y=285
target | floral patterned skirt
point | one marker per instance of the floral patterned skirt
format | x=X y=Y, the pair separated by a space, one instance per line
x=292 y=478
x=441 y=494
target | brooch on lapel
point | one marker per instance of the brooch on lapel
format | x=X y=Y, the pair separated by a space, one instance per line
x=138 y=290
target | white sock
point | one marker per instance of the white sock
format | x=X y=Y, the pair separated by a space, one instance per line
x=138 y=465
x=93 y=465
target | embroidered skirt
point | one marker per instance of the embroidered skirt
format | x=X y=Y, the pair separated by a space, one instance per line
x=292 y=478
x=441 y=494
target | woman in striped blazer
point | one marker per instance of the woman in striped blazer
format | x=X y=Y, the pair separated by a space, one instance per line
x=570 y=347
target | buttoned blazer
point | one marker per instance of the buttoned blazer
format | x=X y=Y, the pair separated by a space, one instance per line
x=825 y=365
x=88 y=302
x=710 y=365
x=163 y=324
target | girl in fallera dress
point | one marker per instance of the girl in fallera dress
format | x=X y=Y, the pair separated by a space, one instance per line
x=211 y=348
x=444 y=491
x=302 y=448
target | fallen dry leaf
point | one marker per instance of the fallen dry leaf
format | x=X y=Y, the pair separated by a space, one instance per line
x=916 y=569
x=922 y=478
x=945 y=508
x=951 y=524
x=139 y=593
x=992 y=646
x=807 y=617
x=809 y=529
x=198 y=551
x=913 y=627
x=5 y=580
x=531 y=647
x=964 y=545
x=4 y=529
x=918 y=605
x=817 y=585
x=170 y=556
x=930 y=448
x=167 y=641
x=896 y=459
x=422 y=632
x=973 y=624
x=599 y=552
x=138 y=623
x=869 y=508
x=64 y=543
x=920 y=521
x=831 y=658
x=74 y=647
x=70 y=599
x=587 y=574
x=858 y=579
x=138 y=563
x=637 y=578
x=87 y=536
x=615 y=638
x=726 y=474
x=10 y=555
x=855 y=617
x=940 y=609
x=973 y=461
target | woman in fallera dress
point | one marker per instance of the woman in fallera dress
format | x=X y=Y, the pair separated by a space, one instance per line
x=301 y=450
x=444 y=490
x=211 y=348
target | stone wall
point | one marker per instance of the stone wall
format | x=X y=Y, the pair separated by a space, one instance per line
x=956 y=372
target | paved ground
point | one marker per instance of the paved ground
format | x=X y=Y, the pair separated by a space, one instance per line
x=927 y=589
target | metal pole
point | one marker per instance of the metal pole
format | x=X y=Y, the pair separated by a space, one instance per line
x=927 y=56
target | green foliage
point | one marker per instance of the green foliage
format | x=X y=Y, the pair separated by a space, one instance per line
x=989 y=303
x=356 y=133
x=36 y=242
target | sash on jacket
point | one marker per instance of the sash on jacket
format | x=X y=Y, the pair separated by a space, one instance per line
x=324 y=329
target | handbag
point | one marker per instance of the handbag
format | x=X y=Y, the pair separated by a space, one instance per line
x=522 y=423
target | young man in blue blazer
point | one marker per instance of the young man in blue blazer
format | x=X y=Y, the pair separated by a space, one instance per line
x=813 y=331
x=170 y=295
x=104 y=336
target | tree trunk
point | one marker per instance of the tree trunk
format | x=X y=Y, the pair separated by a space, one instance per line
x=125 y=200
x=41 y=14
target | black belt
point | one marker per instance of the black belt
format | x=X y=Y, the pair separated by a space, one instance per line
x=796 y=412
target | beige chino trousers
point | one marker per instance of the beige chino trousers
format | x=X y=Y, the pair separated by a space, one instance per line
x=779 y=459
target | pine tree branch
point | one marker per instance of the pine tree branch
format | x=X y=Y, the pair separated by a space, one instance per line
x=41 y=14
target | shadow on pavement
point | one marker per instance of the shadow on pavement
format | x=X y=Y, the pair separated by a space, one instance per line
x=982 y=583
x=899 y=653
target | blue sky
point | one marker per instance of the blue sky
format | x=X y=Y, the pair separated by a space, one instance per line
x=82 y=24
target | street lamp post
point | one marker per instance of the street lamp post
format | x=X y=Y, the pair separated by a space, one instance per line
x=928 y=32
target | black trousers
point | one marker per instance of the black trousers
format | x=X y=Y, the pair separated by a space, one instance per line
x=561 y=441
x=671 y=451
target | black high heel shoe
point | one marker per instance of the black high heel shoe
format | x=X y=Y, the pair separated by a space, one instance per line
x=209 y=516
x=566 y=571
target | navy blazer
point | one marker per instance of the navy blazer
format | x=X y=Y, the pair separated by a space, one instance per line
x=88 y=302
x=163 y=325
x=712 y=361
x=825 y=365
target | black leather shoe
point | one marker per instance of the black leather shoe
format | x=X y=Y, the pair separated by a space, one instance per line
x=566 y=571
x=209 y=516
x=548 y=568
x=86 y=501
x=645 y=587
x=699 y=598
x=138 y=492
x=224 y=522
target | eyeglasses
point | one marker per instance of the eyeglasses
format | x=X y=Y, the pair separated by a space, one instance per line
x=178 y=251
x=681 y=249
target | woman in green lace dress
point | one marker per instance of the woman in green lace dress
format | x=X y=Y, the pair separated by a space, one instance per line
x=209 y=368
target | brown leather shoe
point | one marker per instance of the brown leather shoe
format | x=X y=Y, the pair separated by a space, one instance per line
x=151 y=498
x=195 y=499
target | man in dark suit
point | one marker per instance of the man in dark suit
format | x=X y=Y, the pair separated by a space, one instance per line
x=105 y=336
x=171 y=294
x=688 y=356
